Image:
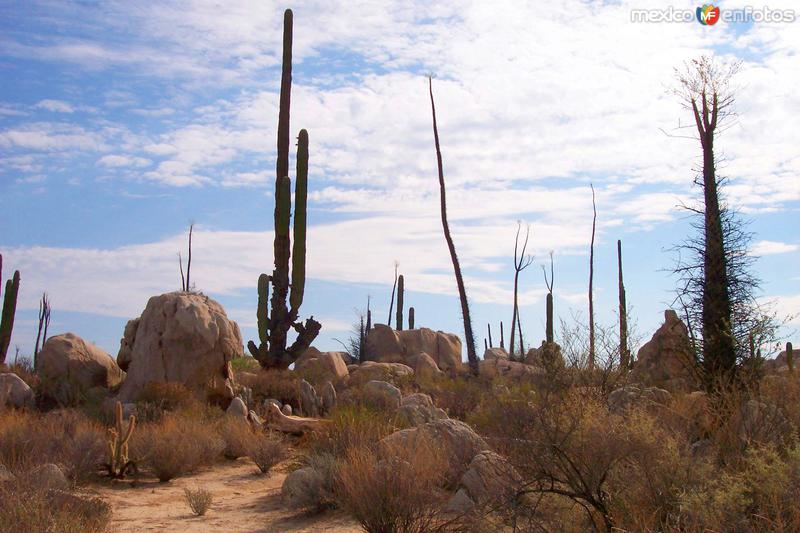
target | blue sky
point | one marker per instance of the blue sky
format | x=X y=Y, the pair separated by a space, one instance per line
x=121 y=123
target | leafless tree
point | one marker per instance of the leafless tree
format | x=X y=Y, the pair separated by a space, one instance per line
x=44 y=323
x=591 y=284
x=521 y=262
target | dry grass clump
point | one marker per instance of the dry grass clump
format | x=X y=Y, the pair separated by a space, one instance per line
x=175 y=446
x=460 y=396
x=237 y=436
x=26 y=507
x=267 y=450
x=397 y=490
x=66 y=437
x=352 y=426
x=199 y=500
x=155 y=399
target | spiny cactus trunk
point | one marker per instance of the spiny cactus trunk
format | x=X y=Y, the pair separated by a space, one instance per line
x=548 y=330
x=400 y=290
x=789 y=357
x=9 y=310
x=410 y=318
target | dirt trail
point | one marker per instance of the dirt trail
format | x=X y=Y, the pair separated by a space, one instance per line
x=243 y=501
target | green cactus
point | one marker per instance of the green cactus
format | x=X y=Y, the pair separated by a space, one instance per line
x=399 y=317
x=549 y=319
x=118 y=463
x=410 y=318
x=789 y=357
x=9 y=310
x=274 y=324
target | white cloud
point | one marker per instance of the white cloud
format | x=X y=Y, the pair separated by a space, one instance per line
x=773 y=247
x=123 y=161
x=47 y=136
x=56 y=106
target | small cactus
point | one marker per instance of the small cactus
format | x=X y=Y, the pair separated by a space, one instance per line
x=118 y=463
x=410 y=318
x=9 y=310
x=789 y=357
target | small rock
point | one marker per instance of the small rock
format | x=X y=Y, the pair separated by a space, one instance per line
x=328 y=397
x=255 y=420
x=14 y=392
x=385 y=393
x=459 y=503
x=286 y=409
x=309 y=401
x=48 y=476
x=272 y=400
x=495 y=353
x=237 y=408
x=301 y=487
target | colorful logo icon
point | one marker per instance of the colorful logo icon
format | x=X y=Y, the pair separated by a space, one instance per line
x=708 y=15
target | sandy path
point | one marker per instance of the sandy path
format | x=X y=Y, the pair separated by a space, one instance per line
x=243 y=501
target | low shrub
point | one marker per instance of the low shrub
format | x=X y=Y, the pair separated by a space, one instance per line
x=267 y=450
x=245 y=364
x=157 y=398
x=65 y=437
x=175 y=446
x=281 y=385
x=237 y=435
x=398 y=490
x=352 y=426
x=26 y=507
x=199 y=500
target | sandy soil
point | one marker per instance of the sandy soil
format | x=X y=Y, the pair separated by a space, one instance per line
x=244 y=500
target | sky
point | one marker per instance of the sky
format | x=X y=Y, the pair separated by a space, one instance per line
x=122 y=122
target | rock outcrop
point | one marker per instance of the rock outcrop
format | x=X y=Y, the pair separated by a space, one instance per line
x=383 y=344
x=320 y=367
x=489 y=480
x=181 y=337
x=370 y=370
x=666 y=359
x=68 y=367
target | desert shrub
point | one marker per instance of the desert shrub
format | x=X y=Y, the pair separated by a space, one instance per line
x=175 y=446
x=66 y=438
x=397 y=490
x=199 y=500
x=352 y=427
x=157 y=398
x=26 y=507
x=237 y=436
x=281 y=385
x=761 y=495
x=267 y=450
x=245 y=364
x=460 y=396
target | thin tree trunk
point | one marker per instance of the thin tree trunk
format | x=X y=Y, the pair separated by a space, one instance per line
x=391 y=302
x=189 y=261
x=462 y=292
x=624 y=356
x=513 y=318
x=591 y=283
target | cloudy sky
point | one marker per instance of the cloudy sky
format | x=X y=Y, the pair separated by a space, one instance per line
x=121 y=122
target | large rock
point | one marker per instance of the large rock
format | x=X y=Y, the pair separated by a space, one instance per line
x=489 y=479
x=425 y=367
x=509 y=369
x=383 y=393
x=547 y=356
x=370 y=370
x=383 y=344
x=68 y=366
x=495 y=353
x=310 y=402
x=666 y=359
x=181 y=337
x=14 y=392
x=321 y=367
x=457 y=440
x=417 y=409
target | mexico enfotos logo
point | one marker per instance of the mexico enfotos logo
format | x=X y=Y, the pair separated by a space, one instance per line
x=710 y=14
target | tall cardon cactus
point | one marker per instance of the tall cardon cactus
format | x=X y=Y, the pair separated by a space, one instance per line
x=9 y=310
x=274 y=324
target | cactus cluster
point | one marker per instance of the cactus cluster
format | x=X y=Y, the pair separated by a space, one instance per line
x=9 y=310
x=274 y=317
x=118 y=462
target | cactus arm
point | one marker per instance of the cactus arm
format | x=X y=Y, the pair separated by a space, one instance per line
x=7 y=317
x=299 y=245
x=399 y=317
x=262 y=312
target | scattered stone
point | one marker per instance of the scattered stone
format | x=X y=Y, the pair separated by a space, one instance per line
x=628 y=396
x=370 y=370
x=181 y=337
x=68 y=367
x=328 y=397
x=237 y=408
x=320 y=367
x=495 y=353
x=48 y=477
x=14 y=392
x=310 y=402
